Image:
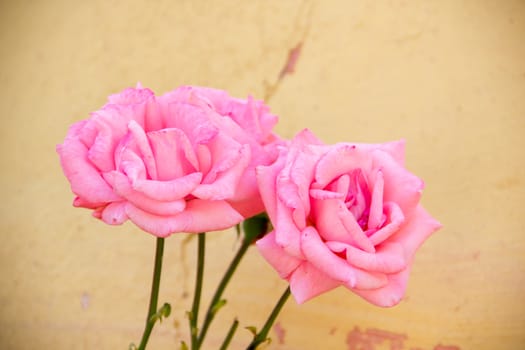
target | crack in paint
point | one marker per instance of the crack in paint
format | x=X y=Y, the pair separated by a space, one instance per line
x=304 y=13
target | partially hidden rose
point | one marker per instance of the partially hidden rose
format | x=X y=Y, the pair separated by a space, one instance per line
x=181 y=162
x=343 y=215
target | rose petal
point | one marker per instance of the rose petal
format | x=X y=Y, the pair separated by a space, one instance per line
x=82 y=203
x=396 y=149
x=86 y=181
x=226 y=183
x=225 y=152
x=288 y=196
x=388 y=258
x=364 y=279
x=247 y=199
x=410 y=236
x=136 y=103
x=394 y=220
x=266 y=180
x=375 y=217
x=307 y=282
x=141 y=142
x=283 y=263
x=131 y=96
x=102 y=133
x=114 y=213
x=327 y=220
x=307 y=137
x=389 y=295
x=123 y=188
x=192 y=120
x=228 y=125
x=101 y=152
x=251 y=115
x=339 y=160
x=287 y=234
x=214 y=98
x=359 y=239
x=168 y=190
x=337 y=247
x=368 y=280
x=199 y=216
x=210 y=216
x=288 y=193
x=173 y=154
x=133 y=103
x=342 y=185
x=248 y=206
x=302 y=175
x=417 y=228
x=323 y=194
x=318 y=254
x=359 y=197
x=131 y=164
x=85 y=131
x=204 y=158
x=401 y=186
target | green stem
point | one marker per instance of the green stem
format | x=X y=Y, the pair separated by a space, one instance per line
x=210 y=314
x=198 y=289
x=263 y=334
x=154 y=293
x=229 y=336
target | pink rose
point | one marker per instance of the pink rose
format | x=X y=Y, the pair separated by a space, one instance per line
x=181 y=162
x=343 y=215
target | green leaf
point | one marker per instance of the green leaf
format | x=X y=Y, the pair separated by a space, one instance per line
x=165 y=310
x=183 y=345
x=252 y=329
x=189 y=315
x=218 y=305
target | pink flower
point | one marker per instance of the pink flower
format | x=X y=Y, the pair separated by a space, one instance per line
x=343 y=215
x=181 y=162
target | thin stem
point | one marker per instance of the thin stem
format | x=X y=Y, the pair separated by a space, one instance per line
x=198 y=289
x=229 y=336
x=263 y=334
x=210 y=313
x=150 y=322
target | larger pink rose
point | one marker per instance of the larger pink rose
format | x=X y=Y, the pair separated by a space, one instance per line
x=181 y=162
x=343 y=215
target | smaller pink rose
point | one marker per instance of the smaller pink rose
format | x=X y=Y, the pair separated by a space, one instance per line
x=343 y=215
x=181 y=162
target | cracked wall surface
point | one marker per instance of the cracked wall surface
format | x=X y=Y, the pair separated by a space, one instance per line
x=447 y=76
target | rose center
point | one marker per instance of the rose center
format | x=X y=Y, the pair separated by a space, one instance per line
x=357 y=197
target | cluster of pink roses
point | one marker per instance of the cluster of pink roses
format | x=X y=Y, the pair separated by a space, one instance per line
x=196 y=159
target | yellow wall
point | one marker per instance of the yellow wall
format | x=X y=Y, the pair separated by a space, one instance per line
x=448 y=76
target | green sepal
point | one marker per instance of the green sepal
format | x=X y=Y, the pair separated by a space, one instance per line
x=163 y=312
x=255 y=227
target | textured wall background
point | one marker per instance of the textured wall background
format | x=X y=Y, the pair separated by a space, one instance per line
x=448 y=76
